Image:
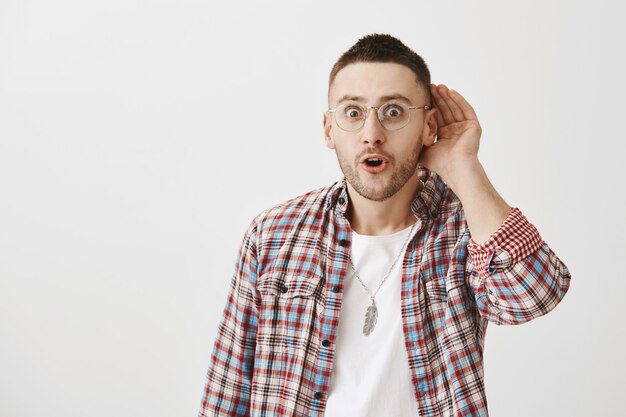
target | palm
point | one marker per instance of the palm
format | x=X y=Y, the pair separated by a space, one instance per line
x=458 y=134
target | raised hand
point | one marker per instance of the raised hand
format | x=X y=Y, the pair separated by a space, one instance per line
x=454 y=156
x=458 y=133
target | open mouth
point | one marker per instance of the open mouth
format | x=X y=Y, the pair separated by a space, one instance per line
x=373 y=162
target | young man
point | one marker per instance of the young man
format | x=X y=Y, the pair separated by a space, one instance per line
x=371 y=297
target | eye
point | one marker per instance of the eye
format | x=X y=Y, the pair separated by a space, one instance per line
x=353 y=112
x=393 y=111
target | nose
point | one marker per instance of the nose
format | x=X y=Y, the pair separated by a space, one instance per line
x=373 y=132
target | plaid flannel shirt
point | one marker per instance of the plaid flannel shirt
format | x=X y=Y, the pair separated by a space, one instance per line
x=273 y=354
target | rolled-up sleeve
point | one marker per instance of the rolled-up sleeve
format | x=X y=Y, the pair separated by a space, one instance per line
x=229 y=377
x=515 y=276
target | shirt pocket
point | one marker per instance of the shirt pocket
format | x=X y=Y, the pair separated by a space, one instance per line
x=434 y=282
x=290 y=309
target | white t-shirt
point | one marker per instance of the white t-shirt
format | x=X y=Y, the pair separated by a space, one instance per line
x=371 y=375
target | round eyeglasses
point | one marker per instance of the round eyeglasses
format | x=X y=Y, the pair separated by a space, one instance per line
x=392 y=116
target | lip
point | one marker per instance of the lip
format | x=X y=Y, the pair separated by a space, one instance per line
x=372 y=169
x=374 y=155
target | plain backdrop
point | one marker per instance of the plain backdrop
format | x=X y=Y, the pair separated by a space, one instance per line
x=139 y=139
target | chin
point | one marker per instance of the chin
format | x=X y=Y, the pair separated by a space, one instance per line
x=374 y=193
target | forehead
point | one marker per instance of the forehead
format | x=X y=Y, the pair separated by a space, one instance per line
x=374 y=80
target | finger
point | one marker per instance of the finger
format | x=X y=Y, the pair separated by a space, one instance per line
x=463 y=105
x=457 y=112
x=440 y=103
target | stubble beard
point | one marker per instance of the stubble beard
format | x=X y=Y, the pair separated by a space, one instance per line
x=399 y=176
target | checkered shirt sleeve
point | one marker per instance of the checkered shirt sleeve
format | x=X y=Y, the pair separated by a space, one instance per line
x=229 y=378
x=514 y=274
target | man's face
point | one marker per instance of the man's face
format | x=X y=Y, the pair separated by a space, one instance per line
x=370 y=84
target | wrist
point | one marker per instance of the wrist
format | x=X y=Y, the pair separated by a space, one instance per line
x=463 y=173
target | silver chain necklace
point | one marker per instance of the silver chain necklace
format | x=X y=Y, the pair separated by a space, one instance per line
x=371 y=315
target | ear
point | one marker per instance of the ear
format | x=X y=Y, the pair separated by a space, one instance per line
x=328 y=131
x=430 y=127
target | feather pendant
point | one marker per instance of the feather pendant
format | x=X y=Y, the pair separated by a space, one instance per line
x=370 y=319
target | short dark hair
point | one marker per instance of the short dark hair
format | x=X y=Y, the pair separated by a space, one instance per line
x=378 y=47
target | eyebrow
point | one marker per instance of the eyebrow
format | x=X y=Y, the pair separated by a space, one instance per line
x=384 y=99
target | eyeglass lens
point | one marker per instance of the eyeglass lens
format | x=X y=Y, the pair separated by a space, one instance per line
x=393 y=116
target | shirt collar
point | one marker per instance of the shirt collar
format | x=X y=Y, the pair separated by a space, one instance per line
x=426 y=203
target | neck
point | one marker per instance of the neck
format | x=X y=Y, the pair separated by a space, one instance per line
x=379 y=218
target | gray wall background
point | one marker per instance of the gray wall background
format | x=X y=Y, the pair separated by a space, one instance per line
x=128 y=175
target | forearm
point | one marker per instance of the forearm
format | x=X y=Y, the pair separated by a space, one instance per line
x=485 y=209
x=515 y=276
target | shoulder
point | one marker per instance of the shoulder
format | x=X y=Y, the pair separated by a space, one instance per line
x=439 y=199
x=305 y=208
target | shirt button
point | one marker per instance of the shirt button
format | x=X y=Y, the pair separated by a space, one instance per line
x=283 y=288
x=326 y=342
x=341 y=200
x=336 y=288
x=343 y=243
x=318 y=395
